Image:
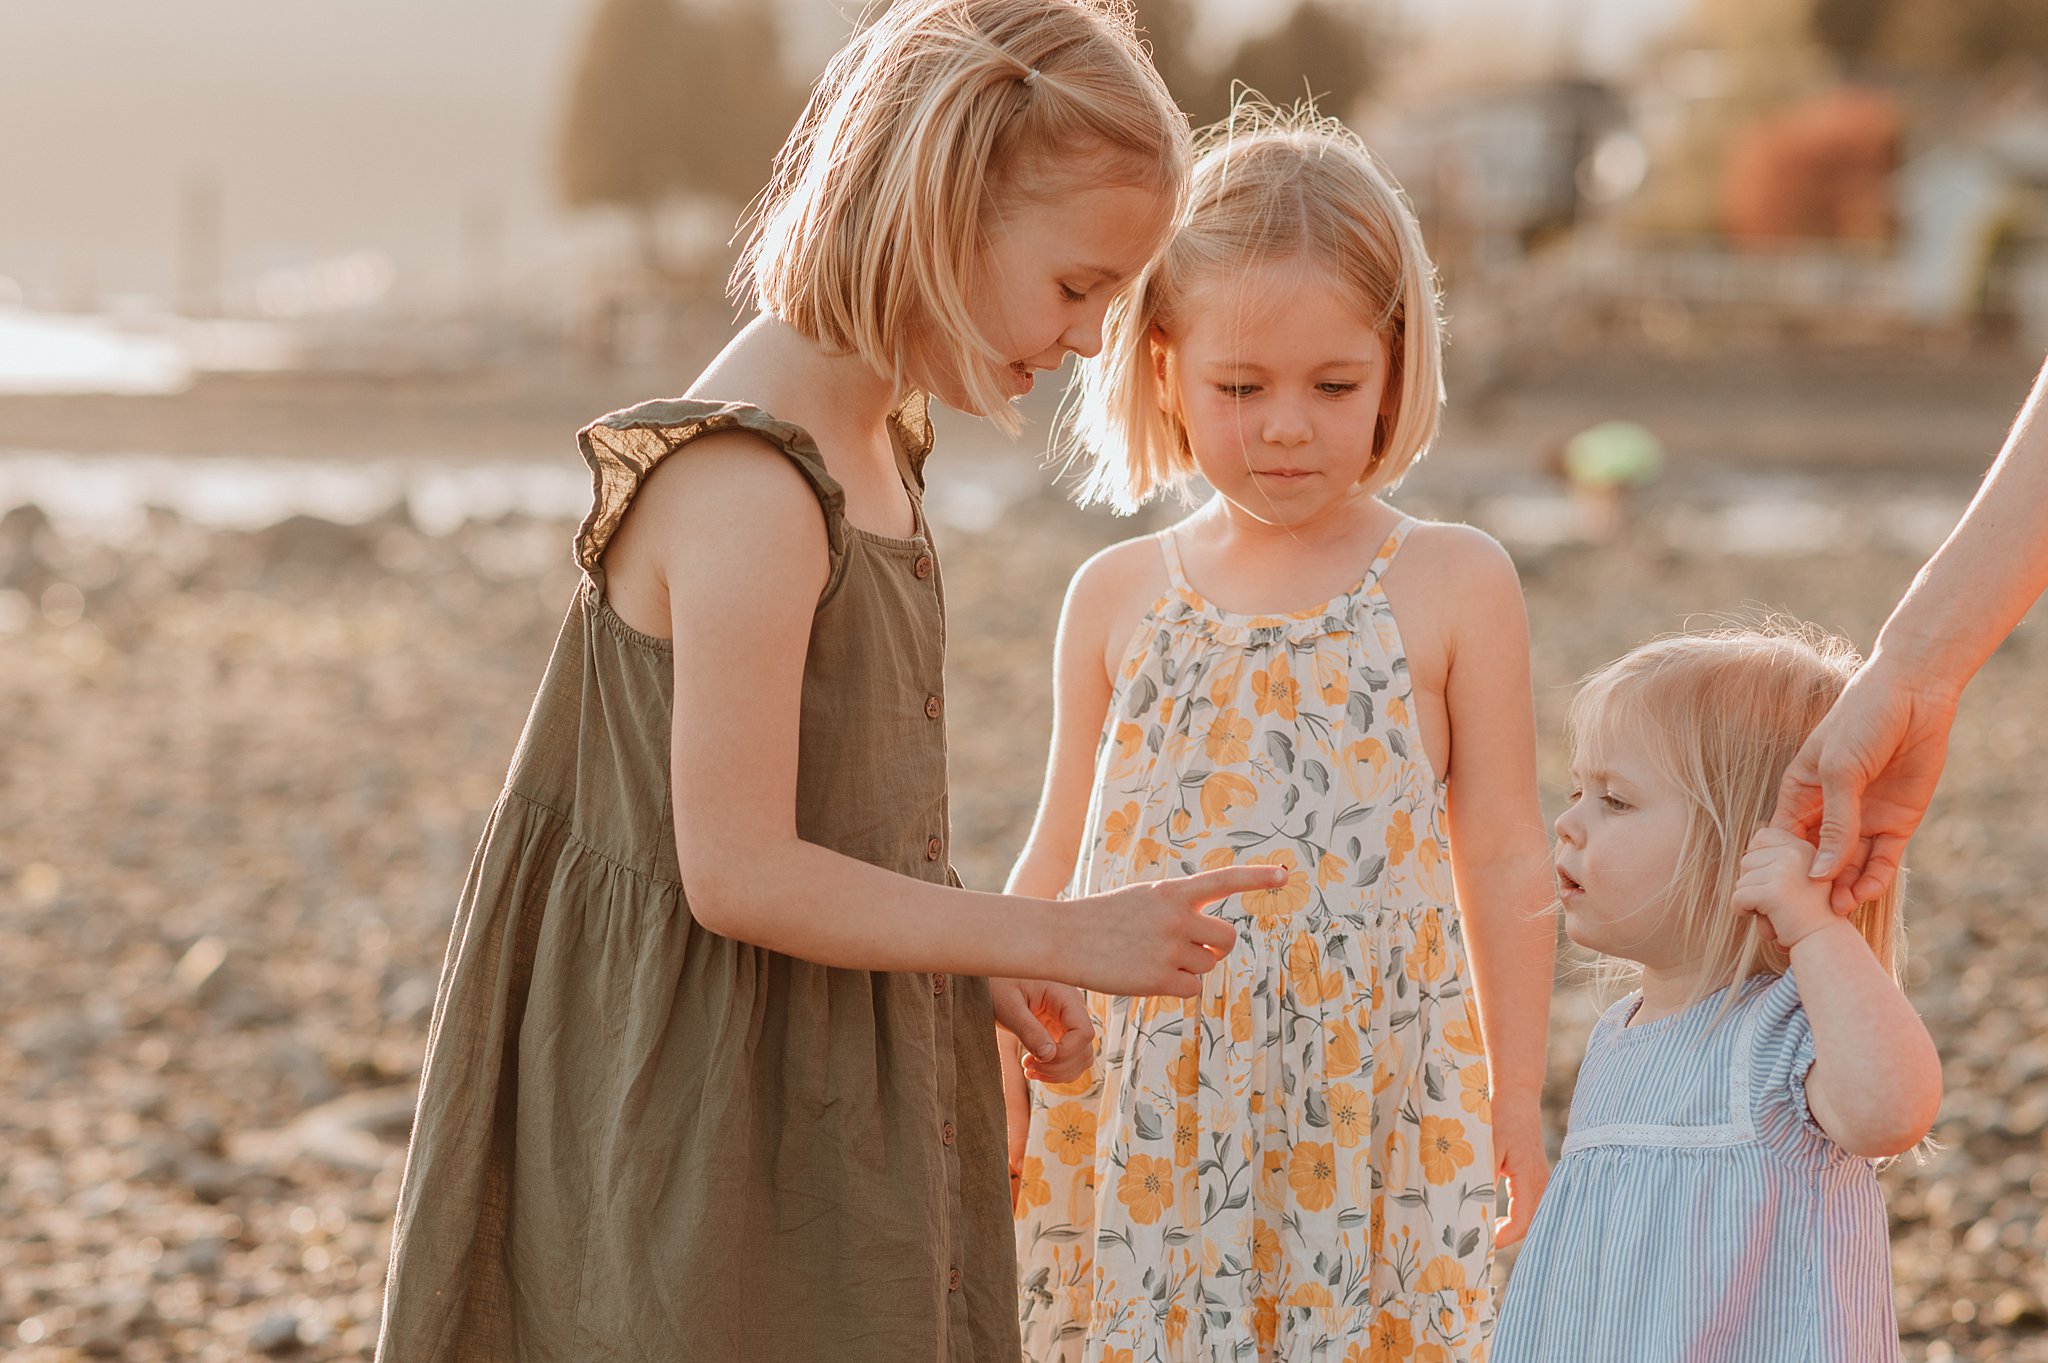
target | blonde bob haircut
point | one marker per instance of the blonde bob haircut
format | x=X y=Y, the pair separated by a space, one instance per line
x=932 y=120
x=1722 y=715
x=1270 y=186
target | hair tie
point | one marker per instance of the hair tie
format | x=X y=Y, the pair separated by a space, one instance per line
x=1031 y=76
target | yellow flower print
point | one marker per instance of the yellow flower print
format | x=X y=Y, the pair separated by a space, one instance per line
x=1150 y=856
x=1275 y=690
x=1266 y=1321
x=1430 y=863
x=1311 y=985
x=1429 y=1351
x=1070 y=1133
x=1075 y=1087
x=1146 y=1188
x=1222 y=792
x=1270 y=908
x=1391 y=1340
x=1331 y=678
x=1119 y=828
x=1129 y=738
x=1350 y=1115
x=1187 y=1135
x=1400 y=836
x=1312 y=1173
x=1265 y=1247
x=1166 y=711
x=1441 y=1274
x=1186 y=1069
x=1444 y=1148
x=1376 y=1227
x=1180 y=822
x=1218 y=857
x=1032 y=1189
x=1426 y=963
x=1330 y=869
x=1223 y=690
x=1340 y=1051
x=1478 y=1094
x=1176 y=1324
x=1466 y=1035
x=1241 y=1016
x=1229 y=738
x=1397 y=711
x=1310 y=1294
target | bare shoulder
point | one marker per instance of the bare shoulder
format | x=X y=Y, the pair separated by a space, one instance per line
x=1452 y=550
x=731 y=477
x=1110 y=593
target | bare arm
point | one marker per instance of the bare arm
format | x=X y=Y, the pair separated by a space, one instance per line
x=751 y=582
x=1875 y=1085
x=1500 y=855
x=1863 y=780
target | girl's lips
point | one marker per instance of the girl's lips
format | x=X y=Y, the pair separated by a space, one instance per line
x=1566 y=886
x=1025 y=378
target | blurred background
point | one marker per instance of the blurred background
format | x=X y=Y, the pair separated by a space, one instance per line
x=301 y=307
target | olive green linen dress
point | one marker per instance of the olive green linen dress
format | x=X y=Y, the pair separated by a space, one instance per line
x=638 y=1139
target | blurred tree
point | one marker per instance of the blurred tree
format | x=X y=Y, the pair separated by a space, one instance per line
x=671 y=100
x=1963 y=37
x=1333 y=50
x=1850 y=29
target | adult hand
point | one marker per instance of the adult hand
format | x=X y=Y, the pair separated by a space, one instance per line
x=1862 y=782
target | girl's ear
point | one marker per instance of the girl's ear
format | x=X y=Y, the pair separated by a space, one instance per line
x=1159 y=346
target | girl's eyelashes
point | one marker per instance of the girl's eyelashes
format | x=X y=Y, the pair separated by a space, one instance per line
x=1337 y=389
x=1072 y=295
x=1614 y=802
x=1237 y=390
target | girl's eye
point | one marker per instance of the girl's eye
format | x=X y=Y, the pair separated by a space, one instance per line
x=1614 y=802
x=1237 y=390
x=1335 y=389
x=1071 y=296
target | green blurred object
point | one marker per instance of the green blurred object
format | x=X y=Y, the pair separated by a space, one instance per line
x=1613 y=454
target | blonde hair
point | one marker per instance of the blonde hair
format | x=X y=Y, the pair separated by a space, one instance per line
x=1722 y=715
x=1269 y=186
x=937 y=115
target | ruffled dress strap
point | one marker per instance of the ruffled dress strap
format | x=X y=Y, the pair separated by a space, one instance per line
x=622 y=448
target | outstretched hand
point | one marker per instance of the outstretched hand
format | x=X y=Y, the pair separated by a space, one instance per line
x=1153 y=938
x=1862 y=782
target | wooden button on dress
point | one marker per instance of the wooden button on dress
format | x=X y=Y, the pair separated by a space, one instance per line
x=932 y=705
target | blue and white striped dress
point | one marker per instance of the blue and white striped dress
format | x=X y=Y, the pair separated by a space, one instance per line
x=1699 y=1214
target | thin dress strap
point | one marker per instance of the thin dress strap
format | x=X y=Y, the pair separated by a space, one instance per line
x=1384 y=559
x=1169 y=549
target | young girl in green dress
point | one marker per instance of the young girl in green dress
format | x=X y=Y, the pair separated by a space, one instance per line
x=711 y=1072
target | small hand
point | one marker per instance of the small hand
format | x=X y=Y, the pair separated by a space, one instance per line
x=1776 y=886
x=1051 y=1022
x=1523 y=1164
x=1153 y=938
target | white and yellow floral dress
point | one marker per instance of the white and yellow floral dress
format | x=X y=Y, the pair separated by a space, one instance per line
x=1297 y=1165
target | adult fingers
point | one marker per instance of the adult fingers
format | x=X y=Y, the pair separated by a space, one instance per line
x=1032 y=1034
x=1841 y=822
x=1070 y=1014
x=1214 y=934
x=1800 y=797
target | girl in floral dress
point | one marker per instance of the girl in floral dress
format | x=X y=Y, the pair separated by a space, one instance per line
x=1301 y=1162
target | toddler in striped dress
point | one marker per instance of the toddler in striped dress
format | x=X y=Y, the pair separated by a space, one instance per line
x=1717 y=1198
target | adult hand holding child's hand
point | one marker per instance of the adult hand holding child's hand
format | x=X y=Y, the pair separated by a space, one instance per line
x=1776 y=886
x=1051 y=1020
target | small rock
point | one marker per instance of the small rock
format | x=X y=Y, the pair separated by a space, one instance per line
x=198 y=970
x=276 y=1335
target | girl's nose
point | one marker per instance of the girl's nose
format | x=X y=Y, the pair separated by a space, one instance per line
x=1287 y=425
x=1084 y=337
x=1568 y=825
